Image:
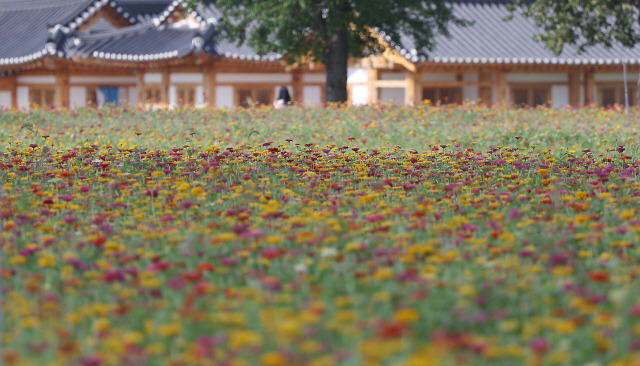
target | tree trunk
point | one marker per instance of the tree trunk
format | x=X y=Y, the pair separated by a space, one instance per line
x=336 y=63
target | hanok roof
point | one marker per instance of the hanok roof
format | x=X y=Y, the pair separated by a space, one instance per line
x=36 y=28
x=491 y=40
x=145 y=42
x=24 y=26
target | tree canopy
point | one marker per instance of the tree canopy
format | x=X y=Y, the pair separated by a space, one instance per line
x=329 y=31
x=583 y=23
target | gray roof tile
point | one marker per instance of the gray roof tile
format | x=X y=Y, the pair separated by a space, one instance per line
x=491 y=40
x=24 y=26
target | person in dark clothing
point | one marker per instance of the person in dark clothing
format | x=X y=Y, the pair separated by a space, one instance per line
x=284 y=99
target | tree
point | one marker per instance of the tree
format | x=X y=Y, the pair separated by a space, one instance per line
x=329 y=31
x=583 y=23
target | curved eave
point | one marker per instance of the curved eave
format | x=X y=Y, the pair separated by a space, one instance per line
x=22 y=60
x=175 y=54
x=528 y=61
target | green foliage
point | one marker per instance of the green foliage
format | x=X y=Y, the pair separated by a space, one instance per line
x=301 y=29
x=583 y=23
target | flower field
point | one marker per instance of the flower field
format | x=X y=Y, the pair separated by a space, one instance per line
x=337 y=236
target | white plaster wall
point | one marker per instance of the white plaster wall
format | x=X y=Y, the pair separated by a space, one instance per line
x=357 y=75
x=530 y=77
x=392 y=76
x=173 y=100
x=314 y=78
x=23 y=97
x=494 y=95
x=253 y=78
x=438 y=77
x=133 y=95
x=359 y=94
x=77 y=96
x=123 y=95
x=392 y=95
x=186 y=77
x=470 y=93
x=581 y=101
x=45 y=79
x=615 y=76
x=199 y=95
x=559 y=96
x=5 y=99
x=153 y=77
x=107 y=80
x=470 y=77
x=312 y=96
x=224 y=96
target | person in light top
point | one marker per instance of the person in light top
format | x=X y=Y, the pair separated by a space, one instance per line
x=284 y=99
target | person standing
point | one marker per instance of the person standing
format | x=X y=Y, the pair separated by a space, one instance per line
x=284 y=99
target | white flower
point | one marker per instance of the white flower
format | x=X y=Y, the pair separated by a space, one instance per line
x=328 y=252
x=300 y=267
x=97 y=161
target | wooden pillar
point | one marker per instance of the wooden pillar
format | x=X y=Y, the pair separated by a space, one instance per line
x=140 y=86
x=484 y=89
x=588 y=88
x=574 y=89
x=372 y=81
x=10 y=83
x=412 y=93
x=209 y=85
x=164 y=92
x=296 y=78
x=61 y=93
x=501 y=87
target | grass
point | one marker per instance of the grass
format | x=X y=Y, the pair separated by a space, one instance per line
x=337 y=236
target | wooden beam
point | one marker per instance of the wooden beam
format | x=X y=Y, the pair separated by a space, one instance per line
x=501 y=87
x=140 y=86
x=61 y=93
x=412 y=94
x=391 y=83
x=164 y=92
x=209 y=85
x=588 y=88
x=296 y=77
x=372 y=80
x=110 y=15
x=574 y=89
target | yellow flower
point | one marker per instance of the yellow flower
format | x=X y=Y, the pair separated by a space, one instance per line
x=46 y=260
x=244 y=338
x=384 y=273
x=168 y=330
x=272 y=359
x=406 y=315
x=133 y=337
x=183 y=187
x=197 y=191
x=17 y=260
x=100 y=325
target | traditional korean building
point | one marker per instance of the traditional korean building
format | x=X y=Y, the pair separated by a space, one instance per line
x=79 y=52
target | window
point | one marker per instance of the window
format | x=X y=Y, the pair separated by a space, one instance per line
x=247 y=97
x=92 y=96
x=611 y=94
x=42 y=96
x=152 y=94
x=527 y=96
x=442 y=95
x=186 y=94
